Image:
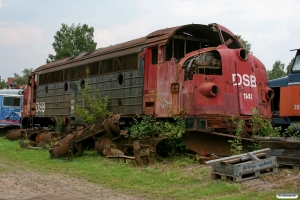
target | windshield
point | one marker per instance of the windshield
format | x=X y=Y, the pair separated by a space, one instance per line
x=11 y=101
x=296 y=66
x=230 y=41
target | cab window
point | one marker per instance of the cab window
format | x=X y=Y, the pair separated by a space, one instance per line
x=11 y=101
x=296 y=66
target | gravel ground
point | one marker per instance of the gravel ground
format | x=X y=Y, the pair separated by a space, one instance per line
x=17 y=184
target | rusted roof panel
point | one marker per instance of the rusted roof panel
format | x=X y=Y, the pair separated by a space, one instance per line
x=166 y=31
x=97 y=52
x=124 y=45
x=161 y=36
x=54 y=63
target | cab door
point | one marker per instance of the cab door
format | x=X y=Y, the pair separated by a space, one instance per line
x=246 y=87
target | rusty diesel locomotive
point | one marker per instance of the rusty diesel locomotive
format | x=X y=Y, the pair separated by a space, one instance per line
x=202 y=72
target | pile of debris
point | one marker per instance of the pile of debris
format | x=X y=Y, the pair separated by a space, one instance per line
x=105 y=136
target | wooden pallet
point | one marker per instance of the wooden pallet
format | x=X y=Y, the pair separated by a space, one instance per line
x=243 y=177
x=244 y=166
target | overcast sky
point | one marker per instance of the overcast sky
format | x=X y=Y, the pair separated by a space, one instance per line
x=27 y=27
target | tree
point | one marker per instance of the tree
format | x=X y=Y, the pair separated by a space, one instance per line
x=288 y=69
x=2 y=84
x=22 y=79
x=246 y=44
x=71 y=41
x=277 y=71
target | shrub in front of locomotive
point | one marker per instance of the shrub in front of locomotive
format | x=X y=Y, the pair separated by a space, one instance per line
x=219 y=83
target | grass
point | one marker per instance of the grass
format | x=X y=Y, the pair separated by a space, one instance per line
x=176 y=178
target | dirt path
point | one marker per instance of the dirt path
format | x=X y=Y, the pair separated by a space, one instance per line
x=15 y=183
x=19 y=184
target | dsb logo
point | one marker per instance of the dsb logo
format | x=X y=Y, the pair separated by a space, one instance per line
x=245 y=79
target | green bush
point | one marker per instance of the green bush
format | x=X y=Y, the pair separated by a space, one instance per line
x=91 y=105
x=143 y=126
x=236 y=143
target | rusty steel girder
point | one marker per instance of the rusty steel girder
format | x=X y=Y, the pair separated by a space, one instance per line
x=103 y=132
x=77 y=141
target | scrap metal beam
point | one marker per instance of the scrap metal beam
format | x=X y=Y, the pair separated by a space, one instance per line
x=238 y=157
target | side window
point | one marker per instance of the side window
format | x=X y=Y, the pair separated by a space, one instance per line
x=179 y=46
x=118 y=64
x=44 y=78
x=107 y=66
x=94 y=68
x=81 y=71
x=130 y=62
x=230 y=42
x=154 y=56
x=11 y=101
x=73 y=73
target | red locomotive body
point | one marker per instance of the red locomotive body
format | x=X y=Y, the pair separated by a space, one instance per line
x=200 y=71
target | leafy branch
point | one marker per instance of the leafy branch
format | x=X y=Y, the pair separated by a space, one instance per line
x=236 y=143
x=144 y=126
x=91 y=107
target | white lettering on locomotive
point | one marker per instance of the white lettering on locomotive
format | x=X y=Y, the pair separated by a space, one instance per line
x=296 y=107
x=247 y=96
x=245 y=79
x=40 y=107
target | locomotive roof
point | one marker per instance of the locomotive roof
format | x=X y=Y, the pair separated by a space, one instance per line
x=11 y=92
x=161 y=36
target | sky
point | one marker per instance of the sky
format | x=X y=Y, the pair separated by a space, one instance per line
x=27 y=27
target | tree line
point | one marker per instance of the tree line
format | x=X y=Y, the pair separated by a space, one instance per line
x=18 y=79
x=70 y=41
x=279 y=69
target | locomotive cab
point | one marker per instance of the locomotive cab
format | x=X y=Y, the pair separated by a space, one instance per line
x=286 y=103
x=10 y=108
